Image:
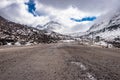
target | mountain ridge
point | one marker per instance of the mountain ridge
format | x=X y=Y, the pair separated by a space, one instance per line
x=104 y=28
x=51 y=26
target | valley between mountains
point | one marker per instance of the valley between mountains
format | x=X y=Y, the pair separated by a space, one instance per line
x=42 y=53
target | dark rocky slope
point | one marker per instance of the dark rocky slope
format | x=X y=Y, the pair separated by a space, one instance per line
x=11 y=32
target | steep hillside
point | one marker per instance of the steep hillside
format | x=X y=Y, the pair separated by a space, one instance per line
x=107 y=29
x=11 y=32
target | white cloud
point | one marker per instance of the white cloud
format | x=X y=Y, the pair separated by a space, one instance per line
x=63 y=16
x=17 y=11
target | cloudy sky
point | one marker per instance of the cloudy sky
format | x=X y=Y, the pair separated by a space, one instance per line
x=74 y=15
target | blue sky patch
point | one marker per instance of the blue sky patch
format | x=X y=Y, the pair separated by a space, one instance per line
x=31 y=7
x=84 y=19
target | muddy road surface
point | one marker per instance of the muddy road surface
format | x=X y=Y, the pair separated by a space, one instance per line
x=60 y=61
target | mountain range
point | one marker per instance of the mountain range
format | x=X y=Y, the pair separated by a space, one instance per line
x=15 y=33
x=107 y=29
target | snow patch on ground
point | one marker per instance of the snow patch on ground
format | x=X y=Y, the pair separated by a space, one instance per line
x=90 y=76
x=83 y=67
x=79 y=64
x=101 y=43
x=17 y=44
x=28 y=44
x=9 y=44
x=67 y=41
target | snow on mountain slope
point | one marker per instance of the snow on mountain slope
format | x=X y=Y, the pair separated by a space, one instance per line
x=110 y=35
x=51 y=26
x=106 y=22
x=108 y=28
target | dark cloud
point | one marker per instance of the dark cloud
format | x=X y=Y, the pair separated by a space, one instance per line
x=85 y=5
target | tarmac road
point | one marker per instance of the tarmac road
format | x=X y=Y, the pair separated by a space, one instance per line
x=60 y=61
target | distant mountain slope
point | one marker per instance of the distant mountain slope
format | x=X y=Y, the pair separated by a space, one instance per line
x=108 y=28
x=51 y=26
x=11 y=32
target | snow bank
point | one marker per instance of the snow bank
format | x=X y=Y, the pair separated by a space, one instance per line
x=17 y=44
x=67 y=41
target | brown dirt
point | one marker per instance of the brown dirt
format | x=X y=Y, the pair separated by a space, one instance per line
x=53 y=62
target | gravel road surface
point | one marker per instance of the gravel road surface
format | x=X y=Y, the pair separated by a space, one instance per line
x=60 y=61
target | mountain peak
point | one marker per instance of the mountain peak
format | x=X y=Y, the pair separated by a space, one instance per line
x=51 y=26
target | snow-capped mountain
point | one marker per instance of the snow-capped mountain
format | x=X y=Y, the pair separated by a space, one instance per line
x=51 y=26
x=107 y=28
